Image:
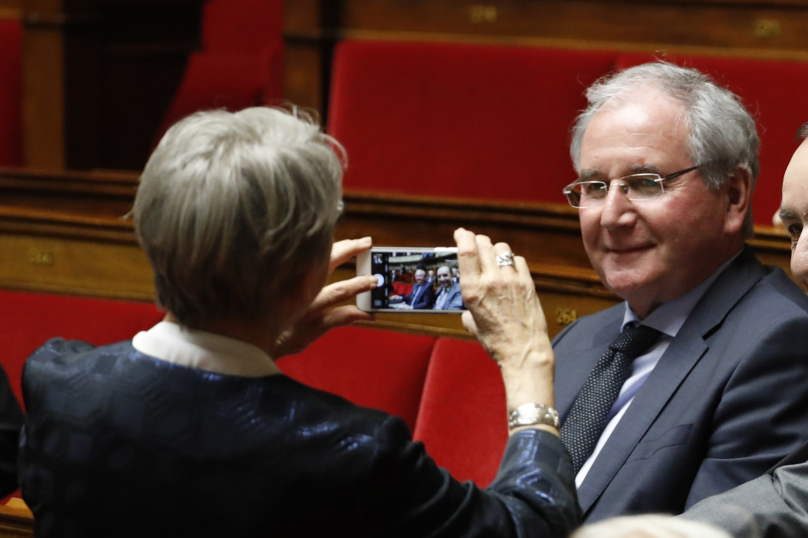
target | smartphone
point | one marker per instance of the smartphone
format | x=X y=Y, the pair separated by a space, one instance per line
x=411 y=280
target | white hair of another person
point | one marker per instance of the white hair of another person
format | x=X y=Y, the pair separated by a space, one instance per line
x=232 y=208
x=649 y=526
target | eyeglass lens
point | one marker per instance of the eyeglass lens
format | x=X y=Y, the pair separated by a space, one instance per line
x=637 y=187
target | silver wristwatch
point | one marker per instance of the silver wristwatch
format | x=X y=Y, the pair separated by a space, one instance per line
x=531 y=414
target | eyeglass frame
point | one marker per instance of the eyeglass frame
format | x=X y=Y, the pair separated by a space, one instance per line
x=661 y=179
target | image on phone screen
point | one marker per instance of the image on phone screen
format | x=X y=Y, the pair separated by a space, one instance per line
x=425 y=280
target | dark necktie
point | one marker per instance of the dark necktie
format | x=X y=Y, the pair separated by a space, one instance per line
x=587 y=417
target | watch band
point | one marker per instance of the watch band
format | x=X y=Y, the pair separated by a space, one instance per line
x=532 y=414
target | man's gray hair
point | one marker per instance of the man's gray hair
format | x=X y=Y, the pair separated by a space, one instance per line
x=721 y=132
x=802 y=132
x=234 y=208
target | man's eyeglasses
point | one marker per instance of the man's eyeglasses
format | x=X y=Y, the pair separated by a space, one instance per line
x=637 y=188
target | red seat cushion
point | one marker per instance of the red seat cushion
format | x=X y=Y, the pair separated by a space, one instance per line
x=32 y=318
x=465 y=121
x=767 y=89
x=10 y=92
x=372 y=368
x=462 y=421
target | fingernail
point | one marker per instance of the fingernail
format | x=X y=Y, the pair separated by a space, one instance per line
x=366 y=241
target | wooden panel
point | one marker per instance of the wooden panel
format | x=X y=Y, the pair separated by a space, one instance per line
x=775 y=29
x=10 y=9
x=89 y=268
x=65 y=233
x=16 y=522
x=43 y=87
x=302 y=81
x=738 y=25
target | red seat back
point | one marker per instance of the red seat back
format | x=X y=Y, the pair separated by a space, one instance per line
x=767 y=88
x=373 y=368
x=10 y=92
x=241 y=26
x=462 y=421
x=464 y=121
x=29 y=319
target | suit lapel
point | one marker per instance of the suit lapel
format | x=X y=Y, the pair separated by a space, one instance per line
x=683 y=353
x=416 y=293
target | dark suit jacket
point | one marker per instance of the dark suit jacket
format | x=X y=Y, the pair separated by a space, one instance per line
x=423 y=294
x=454 y=301
x=117 y=443
x=771 y=506
x=726 y=401
x=10 y=424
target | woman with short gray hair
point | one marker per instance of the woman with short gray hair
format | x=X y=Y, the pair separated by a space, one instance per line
x=189 y=429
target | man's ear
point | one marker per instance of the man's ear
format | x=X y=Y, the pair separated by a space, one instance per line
x=739 y=189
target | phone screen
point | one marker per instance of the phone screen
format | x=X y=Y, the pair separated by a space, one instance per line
x=408 y=280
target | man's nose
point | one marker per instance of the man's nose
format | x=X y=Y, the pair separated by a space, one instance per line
x=799 y=261
x=617 y=210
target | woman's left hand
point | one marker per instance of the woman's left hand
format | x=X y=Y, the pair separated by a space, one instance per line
x=321 y=317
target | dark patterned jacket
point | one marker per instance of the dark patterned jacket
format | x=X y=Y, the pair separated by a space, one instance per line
x=117 y=443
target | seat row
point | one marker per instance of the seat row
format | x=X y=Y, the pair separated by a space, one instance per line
x=490 y=123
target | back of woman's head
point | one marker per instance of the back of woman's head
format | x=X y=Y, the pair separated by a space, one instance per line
x=234 y=208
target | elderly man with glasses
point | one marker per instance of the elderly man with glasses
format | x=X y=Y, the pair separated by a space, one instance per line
x=696 y=383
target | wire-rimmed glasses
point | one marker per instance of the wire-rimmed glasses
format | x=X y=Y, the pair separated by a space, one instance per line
x=636 y=187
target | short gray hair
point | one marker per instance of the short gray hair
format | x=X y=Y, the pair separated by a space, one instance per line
x=233 y=207
x=649 y=526
x=722 y=134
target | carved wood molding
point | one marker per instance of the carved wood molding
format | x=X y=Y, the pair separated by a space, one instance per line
x=92 y=204
x=16 y=523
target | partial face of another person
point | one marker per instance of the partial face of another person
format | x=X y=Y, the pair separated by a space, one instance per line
x=650 y=251
x=794 y=213
x=420 y=275
x=444 y=277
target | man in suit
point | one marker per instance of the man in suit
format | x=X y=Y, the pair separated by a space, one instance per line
x=774 y=505
x=422 y=295
x=449 y=297
x=695 y=384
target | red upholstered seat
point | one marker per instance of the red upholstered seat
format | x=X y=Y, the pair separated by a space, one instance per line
x=462 y=420
x=241 y=26
x=241 y=63
x=466 y=121
x=400 y=288
x=216 y=80
x=10 y=92
x=767 y=88
x=29 y=319
x=372 y=368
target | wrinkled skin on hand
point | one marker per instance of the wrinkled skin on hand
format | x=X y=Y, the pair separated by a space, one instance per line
x=321 y=315
x=504 y=312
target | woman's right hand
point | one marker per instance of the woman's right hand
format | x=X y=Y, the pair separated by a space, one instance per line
x=505 y=315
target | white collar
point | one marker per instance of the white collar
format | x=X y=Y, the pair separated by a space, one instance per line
x=203 y=350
